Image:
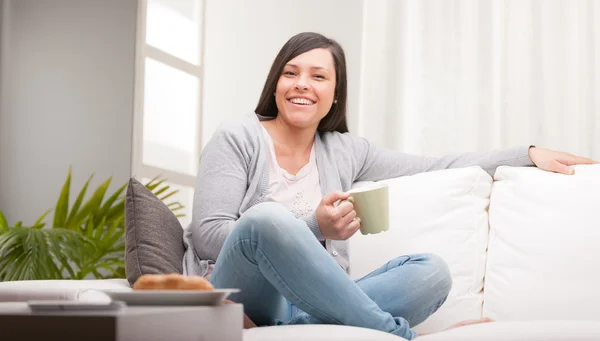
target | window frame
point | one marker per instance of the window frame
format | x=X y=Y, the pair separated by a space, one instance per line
x=143 y=51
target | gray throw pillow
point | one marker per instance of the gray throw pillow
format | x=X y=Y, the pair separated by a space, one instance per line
x=153 y=235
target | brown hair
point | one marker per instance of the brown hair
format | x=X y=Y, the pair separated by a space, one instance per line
x=335 y=120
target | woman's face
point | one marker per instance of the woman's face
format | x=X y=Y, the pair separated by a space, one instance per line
x=306 y=88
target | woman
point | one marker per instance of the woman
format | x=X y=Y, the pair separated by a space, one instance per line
x=265 y=204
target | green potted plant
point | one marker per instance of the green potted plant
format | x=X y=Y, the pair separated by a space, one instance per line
x=85 y=239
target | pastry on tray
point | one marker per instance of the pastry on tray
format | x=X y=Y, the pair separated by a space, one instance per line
x=171 y=282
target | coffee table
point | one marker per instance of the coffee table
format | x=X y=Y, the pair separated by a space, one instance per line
x=132 y=323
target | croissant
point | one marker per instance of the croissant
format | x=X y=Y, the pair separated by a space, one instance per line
x=171 y=282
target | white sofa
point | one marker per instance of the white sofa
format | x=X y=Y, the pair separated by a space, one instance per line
x=523 y=248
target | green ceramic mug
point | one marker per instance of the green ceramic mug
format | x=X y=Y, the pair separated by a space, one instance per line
x=372 y=208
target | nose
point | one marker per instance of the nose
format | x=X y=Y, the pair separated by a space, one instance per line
x=301 y=84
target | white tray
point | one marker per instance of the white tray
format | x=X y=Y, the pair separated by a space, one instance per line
x=170 y=297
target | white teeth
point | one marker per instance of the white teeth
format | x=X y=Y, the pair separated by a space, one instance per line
x=301 y=101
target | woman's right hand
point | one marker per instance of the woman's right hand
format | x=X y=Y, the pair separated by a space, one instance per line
x=337 y=222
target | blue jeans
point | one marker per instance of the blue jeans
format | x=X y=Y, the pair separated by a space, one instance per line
x=287 y=277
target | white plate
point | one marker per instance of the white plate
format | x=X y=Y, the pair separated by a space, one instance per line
x=171 y=297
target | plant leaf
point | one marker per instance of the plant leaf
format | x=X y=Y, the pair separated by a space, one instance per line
x=22 y=244
x=8 y=242
x=92 y=243
x=95 y=272
x=64 y=261
x=29 y=253
x=116 y=212
x=47 y=267
x=89 y=228
x=176 y=207
x=161 y=190
x=15 y=273
x=111 y=200
x=93 y=204
x=77 y=204
x=151 y=186
x=107 y=235
x=62 y=205
x=114 y=238
x=38 y=224
x=151 y=182
x=99 y=231
x=108 y=204
x=3 y=222
x=114 y=270
x=164 y=197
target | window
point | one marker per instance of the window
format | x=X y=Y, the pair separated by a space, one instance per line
x=167 y=119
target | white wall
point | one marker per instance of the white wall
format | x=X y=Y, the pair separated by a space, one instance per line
x=243 y=37
x=68 y=99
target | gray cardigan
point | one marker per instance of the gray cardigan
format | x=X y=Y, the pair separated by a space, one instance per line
x=234 y=174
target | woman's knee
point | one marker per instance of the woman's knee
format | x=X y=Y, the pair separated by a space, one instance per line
x=266 y=219
x=432 y=286
x=438 y=273
x=266 y=213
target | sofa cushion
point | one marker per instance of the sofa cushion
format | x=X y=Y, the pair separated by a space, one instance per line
x=442 y=212
x=18 y=291
x=153 y=236
x=521 y=331
x=320 y=332
x=544 y=245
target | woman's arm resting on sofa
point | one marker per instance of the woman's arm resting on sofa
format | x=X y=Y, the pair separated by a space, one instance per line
x=555 y=161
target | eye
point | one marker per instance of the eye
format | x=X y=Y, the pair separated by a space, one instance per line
x=320 y=76
x=289 y=73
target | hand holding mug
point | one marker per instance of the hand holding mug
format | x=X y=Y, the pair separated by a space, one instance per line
x=337 y=221
x=371 y=204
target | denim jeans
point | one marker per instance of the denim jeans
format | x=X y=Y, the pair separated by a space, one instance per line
x=287 y=277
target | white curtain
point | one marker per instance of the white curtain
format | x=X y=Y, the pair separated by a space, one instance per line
x=443 y=76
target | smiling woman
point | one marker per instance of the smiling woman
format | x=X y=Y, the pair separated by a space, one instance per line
x=306 y=89
x=304 y=96
x=310 y=67
x=266 y=210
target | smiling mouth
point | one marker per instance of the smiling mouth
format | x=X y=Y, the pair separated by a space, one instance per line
x=300 y=101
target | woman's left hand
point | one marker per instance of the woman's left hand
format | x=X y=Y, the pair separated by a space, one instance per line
x=555 y=161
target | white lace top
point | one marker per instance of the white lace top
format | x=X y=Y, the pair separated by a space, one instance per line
x=300 y=193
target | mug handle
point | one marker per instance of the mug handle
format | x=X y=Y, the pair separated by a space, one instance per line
x=350 y=199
